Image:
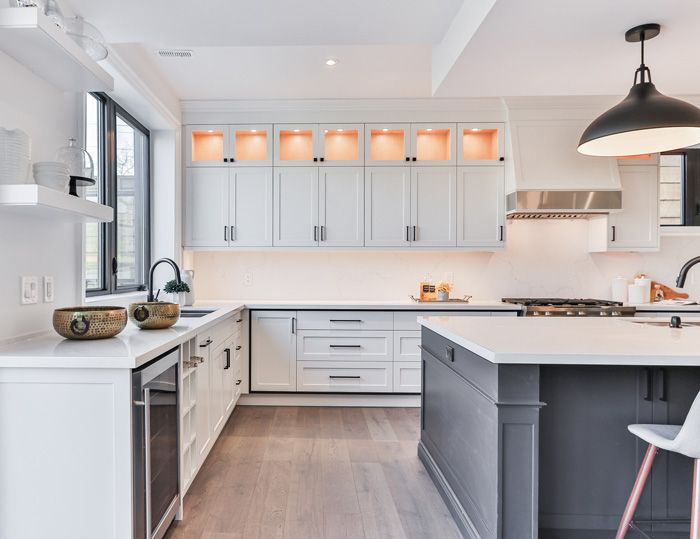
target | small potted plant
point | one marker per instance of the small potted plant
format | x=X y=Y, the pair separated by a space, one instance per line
x=178 y=290
x=443 y=290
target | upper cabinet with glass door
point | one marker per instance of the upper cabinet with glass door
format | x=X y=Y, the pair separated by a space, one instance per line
x=224 y=145
x=296 y=145
x=387 y=144
x=433 y=144
x=341 y=144
x=480 y=144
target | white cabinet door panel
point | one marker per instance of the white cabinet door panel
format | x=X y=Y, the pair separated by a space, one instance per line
x=637 y=225
x=203 y=399
x=324 y=345
x=206 y=208
x=341 y=206
x=433 y=206
x=345 y=377
x=387 y=206
x=273 y=351
x=407 y=377
x=251 y=207
x=217 y=388
x=296 y=206
x=480 y=206
x=406 y=345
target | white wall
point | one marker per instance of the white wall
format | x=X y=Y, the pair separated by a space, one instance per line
x=542 y=258
x=30 y=246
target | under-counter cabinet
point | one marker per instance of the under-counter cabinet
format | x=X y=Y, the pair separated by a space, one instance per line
x=229 y=145
x=636 y=226
x=480 y=206
x=228 y=207
x=319 y=144
x=410 y=206
x=273 y=351
x=318 y=206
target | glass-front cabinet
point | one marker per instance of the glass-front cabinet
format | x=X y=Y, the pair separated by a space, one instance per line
x=480 y=144
x=323 y=145
x=387 y=144
x=229 y=145
x=296 y=145
x=433 y=144
x=341 y=144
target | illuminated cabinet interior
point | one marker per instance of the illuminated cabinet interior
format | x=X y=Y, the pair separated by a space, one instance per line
x=480 y=144
x=250 y=145
x=296 y=145
x=387 y=144
x=207 y=145
x=340 y=144
x=433 y=144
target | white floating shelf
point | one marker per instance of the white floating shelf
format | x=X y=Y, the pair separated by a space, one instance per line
x=32 y=38
x=32 y=199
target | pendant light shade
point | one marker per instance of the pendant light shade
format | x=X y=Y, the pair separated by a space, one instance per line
x=646 y=121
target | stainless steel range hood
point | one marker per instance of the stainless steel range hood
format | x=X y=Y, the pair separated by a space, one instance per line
x=547 y=178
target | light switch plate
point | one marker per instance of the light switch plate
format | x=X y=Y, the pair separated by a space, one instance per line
x=48 y=289
x=29 y=291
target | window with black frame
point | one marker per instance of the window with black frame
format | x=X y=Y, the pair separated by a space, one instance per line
x=679 y=188
x=117 y=254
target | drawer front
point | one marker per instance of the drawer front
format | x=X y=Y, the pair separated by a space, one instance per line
x=408 y=320
x=319 y=345
x=407 y=346
x=346 y=320
x=407 y=377
x=345 y=377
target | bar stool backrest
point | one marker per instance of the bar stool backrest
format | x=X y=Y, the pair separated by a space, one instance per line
x=688 y=438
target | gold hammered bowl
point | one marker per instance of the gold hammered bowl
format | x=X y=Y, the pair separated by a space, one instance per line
x=83 y=323
x=154 y=314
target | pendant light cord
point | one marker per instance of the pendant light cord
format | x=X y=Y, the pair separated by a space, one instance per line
x=643 y=71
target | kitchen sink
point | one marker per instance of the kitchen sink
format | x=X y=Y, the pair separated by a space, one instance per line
x=195 y=313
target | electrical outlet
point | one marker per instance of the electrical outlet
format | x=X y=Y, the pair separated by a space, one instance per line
x=48 y=289
x=29 y=291
x=248 y=278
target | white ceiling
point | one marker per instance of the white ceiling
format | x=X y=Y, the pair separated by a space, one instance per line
x=402 y=48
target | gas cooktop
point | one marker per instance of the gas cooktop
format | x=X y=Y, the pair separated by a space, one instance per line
x=571 y=307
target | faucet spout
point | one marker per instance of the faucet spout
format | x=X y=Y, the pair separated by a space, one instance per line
x=169 y=261
x=680 y=281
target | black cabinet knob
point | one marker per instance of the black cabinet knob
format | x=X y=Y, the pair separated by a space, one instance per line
x=315 y=159
x=225 y=159
x=232 y=160
x=408 y=159
x=322 y=159
x=413 y=159
x=501 y=158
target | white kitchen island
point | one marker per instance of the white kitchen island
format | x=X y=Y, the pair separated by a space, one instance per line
x=524 y=422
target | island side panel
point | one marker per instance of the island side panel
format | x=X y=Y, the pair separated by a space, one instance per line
x=479 y=439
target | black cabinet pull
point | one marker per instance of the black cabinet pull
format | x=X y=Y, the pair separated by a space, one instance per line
x=225 y=159
x=333 y=321
x=648 y=389
x=238 y=347
x=294 y=325
x=662 y=384
x=315 y=233
x=408 y=159
x=414 y=232
x=501 y=158
x=344 y=346
x=333 y=377
x=239 y=321
x=232 y=160
x=228 y=358
x=238 y=382
x=408 y=237
x=225 y=233
x=322 y=159
x=500 y=233
x=413 y=159
x=613 y=233
x=315 y=159
x=205 y=343
x=450 y=354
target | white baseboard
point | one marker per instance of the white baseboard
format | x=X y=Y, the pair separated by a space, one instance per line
x=294 y=399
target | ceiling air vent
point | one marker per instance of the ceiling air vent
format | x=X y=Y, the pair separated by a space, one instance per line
x=174 y=53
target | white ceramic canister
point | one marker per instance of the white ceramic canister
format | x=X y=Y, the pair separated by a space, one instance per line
x=638 y=294
x=619 y=289
x=646 y=283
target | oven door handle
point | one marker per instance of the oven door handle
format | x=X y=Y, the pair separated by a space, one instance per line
x=147 y=459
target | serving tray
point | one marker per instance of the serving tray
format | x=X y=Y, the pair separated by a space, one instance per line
x=464 y=299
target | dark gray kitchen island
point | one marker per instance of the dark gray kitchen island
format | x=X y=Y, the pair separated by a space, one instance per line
x=524 y=423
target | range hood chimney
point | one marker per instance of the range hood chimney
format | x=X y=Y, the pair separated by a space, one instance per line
x=547 y=178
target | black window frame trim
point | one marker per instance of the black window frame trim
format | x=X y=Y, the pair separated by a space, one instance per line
x=690 y=188
x=108 y=238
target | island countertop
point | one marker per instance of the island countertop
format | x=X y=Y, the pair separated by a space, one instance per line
x=566 y=341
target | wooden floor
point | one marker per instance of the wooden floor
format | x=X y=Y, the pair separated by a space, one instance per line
x=307 y=473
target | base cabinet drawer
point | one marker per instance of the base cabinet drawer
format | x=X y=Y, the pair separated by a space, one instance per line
x=407 y=377
x=346 y=320
x=345 y=377
x=319 y=345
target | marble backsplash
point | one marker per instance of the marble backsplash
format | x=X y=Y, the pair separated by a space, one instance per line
x=542 y=258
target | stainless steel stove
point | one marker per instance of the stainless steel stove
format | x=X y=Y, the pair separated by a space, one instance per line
x=571 y=307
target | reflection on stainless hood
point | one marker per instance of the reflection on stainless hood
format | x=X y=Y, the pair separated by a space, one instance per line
x=562 y=204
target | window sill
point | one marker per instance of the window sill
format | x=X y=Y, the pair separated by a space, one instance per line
x=127 y=297
x=680 y=231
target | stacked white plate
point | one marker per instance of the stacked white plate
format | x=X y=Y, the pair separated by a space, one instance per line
x=15 y=156
x=52 y=174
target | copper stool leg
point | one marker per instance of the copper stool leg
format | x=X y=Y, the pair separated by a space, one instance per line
x=637 y=490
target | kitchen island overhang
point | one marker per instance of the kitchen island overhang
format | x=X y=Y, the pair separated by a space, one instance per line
x=524 y=421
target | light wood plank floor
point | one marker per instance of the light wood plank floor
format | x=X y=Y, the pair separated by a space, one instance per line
x=308 y=473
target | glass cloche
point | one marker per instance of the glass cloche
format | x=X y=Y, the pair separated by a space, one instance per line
x=80 y=165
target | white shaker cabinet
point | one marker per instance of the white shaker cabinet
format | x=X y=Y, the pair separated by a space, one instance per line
x=207 y=207
x=217 y=387
x=341 y=206
x=203 y=399
x=387 y=206
x=296 y=207
x=433 y=207
x=250 y=207
x=273 y=351
x=636 y=226
x=480 y=206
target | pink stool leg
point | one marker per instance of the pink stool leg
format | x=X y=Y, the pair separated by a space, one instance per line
x=637 y=490
x=695 y=511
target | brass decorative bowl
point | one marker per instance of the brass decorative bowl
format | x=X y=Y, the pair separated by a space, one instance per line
x=85 y=323
x=154 y=314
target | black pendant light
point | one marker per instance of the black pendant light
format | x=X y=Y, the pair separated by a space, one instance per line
x=646 y=121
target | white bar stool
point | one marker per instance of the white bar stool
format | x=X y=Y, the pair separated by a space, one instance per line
x=683 y=439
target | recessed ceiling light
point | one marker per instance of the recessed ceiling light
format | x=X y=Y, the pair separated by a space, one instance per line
x=475 y=129
x=330 y=62
x=385 y=129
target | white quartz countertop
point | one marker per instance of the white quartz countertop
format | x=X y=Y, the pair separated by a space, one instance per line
x=406 y=304
x=567 y=341
x=130 y=349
